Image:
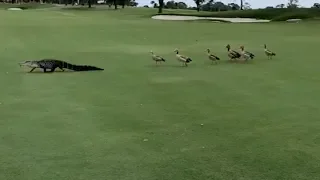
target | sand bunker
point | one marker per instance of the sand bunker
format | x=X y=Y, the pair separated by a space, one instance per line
x=294 y=20
x=14 y=9
x=187 y=18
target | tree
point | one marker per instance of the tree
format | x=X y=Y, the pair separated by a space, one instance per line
x=128 y=3
x=316 y=5
x=246 y=6
x=161 y=4
x=215 y=6
x=154 y=4
x=171 y=5
x=199 y=3
x=234 y=6
x=241 y=4
x=219 y=6
x=293 y=4
x=207 y=6
x=133 y=3
x=269 y=7
x=109 y=3
x=280 y=6
x=122 y=3
x=182 y=5
x=115 y=3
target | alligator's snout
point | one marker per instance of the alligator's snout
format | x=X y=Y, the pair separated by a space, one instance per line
x=22 y=63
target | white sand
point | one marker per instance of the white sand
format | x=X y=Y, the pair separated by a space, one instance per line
x=186 y=18
x=294 y=20
x=14 y=9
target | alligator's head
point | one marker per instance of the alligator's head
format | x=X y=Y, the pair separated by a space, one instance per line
x=31 y=64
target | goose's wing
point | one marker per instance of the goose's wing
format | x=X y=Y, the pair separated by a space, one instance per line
x=184 y=57
x=268 y=51
x=235 y=53
x=158 y=57
x=247 y=52
x=213 y=57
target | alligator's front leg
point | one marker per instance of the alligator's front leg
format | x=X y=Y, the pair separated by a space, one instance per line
x=32 y=69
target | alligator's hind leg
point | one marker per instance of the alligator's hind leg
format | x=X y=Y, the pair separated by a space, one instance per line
x=61 y=68
x=32 y=69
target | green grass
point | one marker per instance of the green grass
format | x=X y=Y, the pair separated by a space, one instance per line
x=260 y=119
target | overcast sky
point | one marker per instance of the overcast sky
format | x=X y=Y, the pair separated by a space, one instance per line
x=254 y=3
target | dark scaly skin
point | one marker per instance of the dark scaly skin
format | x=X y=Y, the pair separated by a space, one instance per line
x=52 y=64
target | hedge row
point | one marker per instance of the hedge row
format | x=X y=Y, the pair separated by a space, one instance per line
x=274 y=14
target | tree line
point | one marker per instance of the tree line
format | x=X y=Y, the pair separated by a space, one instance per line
x=212 y=5
x=201 y=5
x=115 y=3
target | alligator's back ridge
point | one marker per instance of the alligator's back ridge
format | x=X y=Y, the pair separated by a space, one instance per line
x=75 y=67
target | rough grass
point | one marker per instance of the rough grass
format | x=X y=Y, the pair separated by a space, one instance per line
x=260 y=120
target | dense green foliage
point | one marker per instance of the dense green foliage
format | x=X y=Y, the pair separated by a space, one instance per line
x=272 y=14
x=25 y=6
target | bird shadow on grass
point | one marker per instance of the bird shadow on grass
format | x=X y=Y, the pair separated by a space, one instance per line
x=165 y=65
x=194 y=65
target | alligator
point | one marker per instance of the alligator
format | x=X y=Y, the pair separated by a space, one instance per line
x=52 y=64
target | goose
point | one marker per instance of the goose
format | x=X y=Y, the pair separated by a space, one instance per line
x=212 y=57
x=157 y=58
x=184 y=59
x=232 y=53
x=268 y=52
x=245 y=54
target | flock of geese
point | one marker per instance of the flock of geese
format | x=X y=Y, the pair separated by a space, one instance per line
x=232 y=54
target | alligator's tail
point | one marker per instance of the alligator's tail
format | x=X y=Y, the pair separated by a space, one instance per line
x=80 y=67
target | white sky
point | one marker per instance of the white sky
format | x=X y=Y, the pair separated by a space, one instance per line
x=254 y=3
